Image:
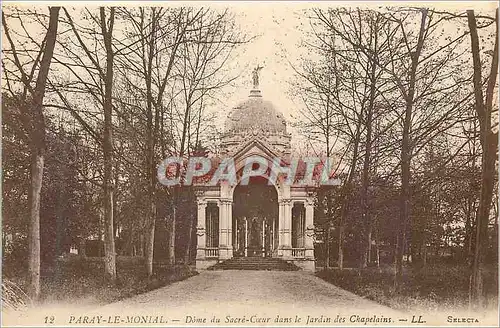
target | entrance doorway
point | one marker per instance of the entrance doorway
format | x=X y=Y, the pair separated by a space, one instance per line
x=255 y=219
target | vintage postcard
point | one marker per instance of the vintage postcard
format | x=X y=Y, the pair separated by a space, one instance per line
x=249 y=164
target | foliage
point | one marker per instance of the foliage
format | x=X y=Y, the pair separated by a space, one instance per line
x=68 y=211
x=438 y=287
x=73 y=277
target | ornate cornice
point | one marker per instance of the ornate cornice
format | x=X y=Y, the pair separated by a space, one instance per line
x=310 y=232
x=309 y=202
x=200 y=231
x=222 y=201
x=285 y=201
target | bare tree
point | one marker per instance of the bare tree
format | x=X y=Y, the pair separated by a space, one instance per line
x=175 y=58
x=107 y=25
x=82 y=62
x=409 y=95
x=157 y=33
x=202 y=70
x=489 y=143
x=409 y=85
x=347 y=110
x=426 y=77
x=30 y=103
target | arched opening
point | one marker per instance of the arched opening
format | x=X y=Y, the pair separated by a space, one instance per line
x=255 y=218
x=212 y=225
x=298 y=225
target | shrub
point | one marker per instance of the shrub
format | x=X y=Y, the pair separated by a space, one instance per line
x=437 y=286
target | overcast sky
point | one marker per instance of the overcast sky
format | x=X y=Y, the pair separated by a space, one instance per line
x=278 y=30
x=277 y=27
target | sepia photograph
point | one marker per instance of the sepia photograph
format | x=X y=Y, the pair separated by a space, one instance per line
x=249 y=164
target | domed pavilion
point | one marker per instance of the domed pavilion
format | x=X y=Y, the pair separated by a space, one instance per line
x=260 y=219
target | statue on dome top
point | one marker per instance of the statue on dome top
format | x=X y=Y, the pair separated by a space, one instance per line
x=255 y=73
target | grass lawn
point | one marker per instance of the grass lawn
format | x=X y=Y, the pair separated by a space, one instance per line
x=437 y=287
x=75 y=279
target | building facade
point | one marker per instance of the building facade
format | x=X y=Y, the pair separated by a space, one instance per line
x=260 y=218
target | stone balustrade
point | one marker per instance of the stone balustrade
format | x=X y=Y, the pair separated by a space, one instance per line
x=211 y=252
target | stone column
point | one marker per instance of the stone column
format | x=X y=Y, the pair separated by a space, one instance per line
x=264 y=238
x=201 y=230
x=236 y=244
x=287 y=228
x=280 y=227
x=298 y=228
x=246 y=236
x=230 y=228
x=272 y=227
x=302 y=228
x=309 y=231
x=225 y=230
x=222 y=229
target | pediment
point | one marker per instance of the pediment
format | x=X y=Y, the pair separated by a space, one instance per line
x=254 y=148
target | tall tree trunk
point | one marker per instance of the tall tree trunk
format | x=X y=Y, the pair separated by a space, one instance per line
x=488 y=144
x=187 y=255
x=116 y=231
x=406 y=149
x=329 y=211
x=150 y=233
x=109 y=238
x=150 y=152
x=341 y=245
x=471 y=203
x=176 y=196
x=37 y=164
x=346 y=195
x=328 y=245
x=424 y=254
x=377 y=247
x=127 y=246
x=140 y=250
x=171 y=240
x=37 y=143
x=81 y=248
x=366 y=218
x=466 y=252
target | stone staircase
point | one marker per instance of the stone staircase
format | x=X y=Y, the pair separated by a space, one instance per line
x=255 y=263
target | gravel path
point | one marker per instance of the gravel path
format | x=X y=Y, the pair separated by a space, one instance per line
x=250 y=288
x=260 y=293
x=238 y=298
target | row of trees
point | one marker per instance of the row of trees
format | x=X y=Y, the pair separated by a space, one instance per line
x=107 y=93
x=404 y=97
x=118 y=89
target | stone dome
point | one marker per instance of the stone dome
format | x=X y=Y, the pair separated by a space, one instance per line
x=253 y=114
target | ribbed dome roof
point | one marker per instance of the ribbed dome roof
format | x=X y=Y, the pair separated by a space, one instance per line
x=255 y=113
